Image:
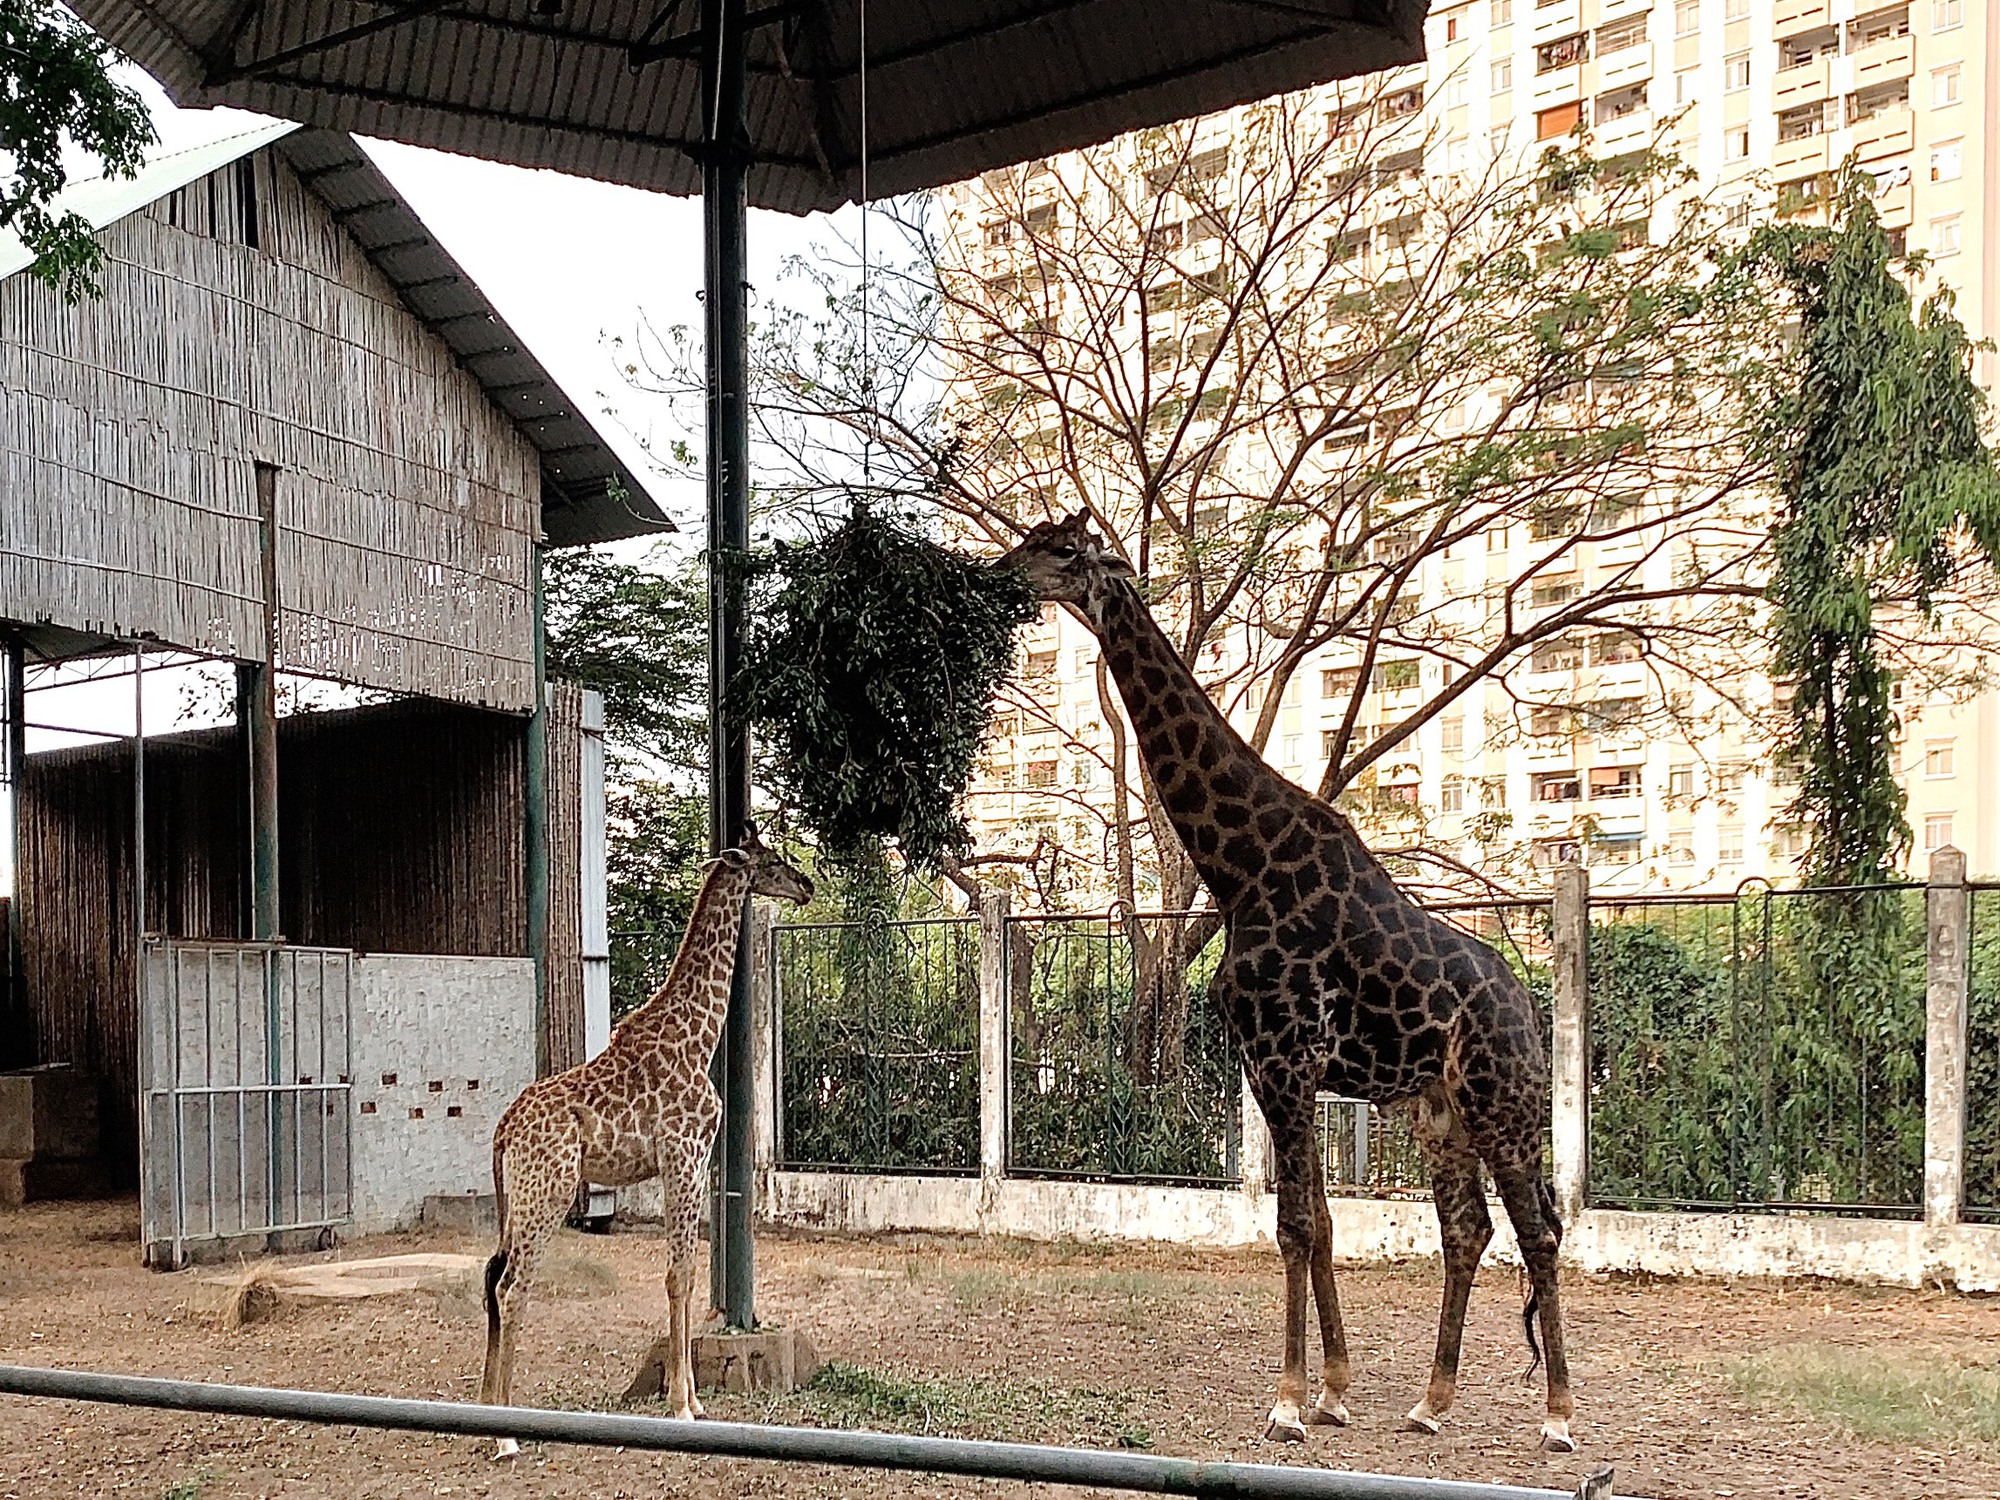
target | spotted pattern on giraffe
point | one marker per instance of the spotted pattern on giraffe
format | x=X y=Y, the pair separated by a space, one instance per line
x=1332 y=979
x=641 y=1108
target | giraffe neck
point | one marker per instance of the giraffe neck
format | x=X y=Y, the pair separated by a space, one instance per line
x=694 y=998
x=1197 y=760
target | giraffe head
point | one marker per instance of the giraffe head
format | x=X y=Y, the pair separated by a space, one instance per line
x=770 y=875
x=1069 y=563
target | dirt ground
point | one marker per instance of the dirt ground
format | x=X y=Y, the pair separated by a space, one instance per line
x=1687 y=1389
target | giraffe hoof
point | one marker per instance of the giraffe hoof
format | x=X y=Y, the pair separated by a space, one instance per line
x=1328 y=1411
x=505 y=1449
x=1555 y=1436
x=1423 y=1419
x=1285 y=1426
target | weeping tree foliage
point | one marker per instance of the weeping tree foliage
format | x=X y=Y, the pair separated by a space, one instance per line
x=56 y=89
x=872 y=661
x=1884 y=479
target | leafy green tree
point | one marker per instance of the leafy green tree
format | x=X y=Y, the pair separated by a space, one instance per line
x=56 y=89
x=1883 y=478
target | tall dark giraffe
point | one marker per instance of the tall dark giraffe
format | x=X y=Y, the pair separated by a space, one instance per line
x=1333 y=979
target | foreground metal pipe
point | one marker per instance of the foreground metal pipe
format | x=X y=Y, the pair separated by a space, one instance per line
x=870 y=1450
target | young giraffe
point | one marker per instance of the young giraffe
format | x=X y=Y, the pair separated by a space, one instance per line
x=1333 y=979
x=643 y=1107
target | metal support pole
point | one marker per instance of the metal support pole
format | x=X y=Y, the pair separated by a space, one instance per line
x=16 y=1048
x=724 y=161
x=266 y=920
x=535 y=817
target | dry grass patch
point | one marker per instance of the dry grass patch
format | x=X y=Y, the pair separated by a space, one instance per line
x=1930 y=1397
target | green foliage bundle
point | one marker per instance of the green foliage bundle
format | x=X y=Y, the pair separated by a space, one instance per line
x=1874 y=434
x=871 y=664
x=56 y=88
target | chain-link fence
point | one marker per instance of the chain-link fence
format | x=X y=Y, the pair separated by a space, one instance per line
x=878 y=1045
x=1759 y=1051
x=1121 y=1069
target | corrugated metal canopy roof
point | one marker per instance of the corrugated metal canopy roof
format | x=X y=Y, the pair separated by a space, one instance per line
x=608 y=89
x=587 y=494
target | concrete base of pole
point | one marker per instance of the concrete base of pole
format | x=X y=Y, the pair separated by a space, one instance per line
x=769 y=1361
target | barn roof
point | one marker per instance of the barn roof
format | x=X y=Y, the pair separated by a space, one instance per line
x=588 y=495
x=610 y=89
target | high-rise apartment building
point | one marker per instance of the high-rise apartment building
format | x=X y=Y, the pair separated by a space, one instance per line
x=1762 y=98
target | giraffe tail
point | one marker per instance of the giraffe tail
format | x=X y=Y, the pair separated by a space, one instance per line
x=496 y=1265
x=1531 y=1305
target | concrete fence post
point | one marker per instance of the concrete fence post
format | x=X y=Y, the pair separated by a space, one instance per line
x=996 y=1007
x=1947 y=979
x=765 y=1043
x=1569 y=1039
x=1253 y=1151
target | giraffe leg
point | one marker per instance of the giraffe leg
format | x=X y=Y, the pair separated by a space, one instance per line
x=680 y=1177
x=1464 y=1230
x=542 y=1165
x=1297 y=1155
x=1336 y=1374
x=1531 y=1205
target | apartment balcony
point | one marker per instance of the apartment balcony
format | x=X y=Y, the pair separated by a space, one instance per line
x=1633 y=132
x=1801 y=157
x=1890 y=133
x=1625 y=66
x=1885 y=62
x=1896 y=207
x=1809 y=84
x=1617 y=10
x=1617 y=815
x=1558 y=18
x=1558 y=86
x=1790 y=17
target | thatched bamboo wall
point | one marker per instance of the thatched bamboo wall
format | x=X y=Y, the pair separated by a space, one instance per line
x=563 y=1000
x=240 y=324
x=399 y=832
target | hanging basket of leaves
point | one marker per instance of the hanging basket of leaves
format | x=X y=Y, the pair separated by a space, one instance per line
x=870 y=667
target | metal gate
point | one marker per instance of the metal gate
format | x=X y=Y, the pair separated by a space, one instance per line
x=245 y=1068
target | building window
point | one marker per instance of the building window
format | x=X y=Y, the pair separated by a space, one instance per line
x=1736 y=73
x=1398 y=676
x=1618 y=849
x=1619 y=35
x=1947 y=161
x=1680 y=848
x=1790 y=842
x=1563 y=52
x=1944 y=87
x=1615 y=782
x=1937 y=832
x=1938 y=760
x=1944 y=235
x=1502 y=12
x=1452 y=731
x=1503 y=75
x=1736 y=144
x=1687 y=17
x=1294 y=749
x=1729 y=844
x=1555 y=786
x=1947 y=14
x=1729 y=776
x=1680 y=781
x=1493 y=793
x=1456 y=90
x=1451 y=28
x=1339 y=682
x=1735 y=10
x=1451 y=794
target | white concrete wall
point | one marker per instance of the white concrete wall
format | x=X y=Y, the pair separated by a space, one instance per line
x=1884 y=1251
x=441 y=1047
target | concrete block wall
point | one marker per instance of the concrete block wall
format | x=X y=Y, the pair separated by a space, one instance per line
x=442 y=1046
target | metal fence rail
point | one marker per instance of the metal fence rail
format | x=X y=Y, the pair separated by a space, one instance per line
x=878 y=1045
x=1759 y=1051
x=1121 y=1068
x=1027 y=1462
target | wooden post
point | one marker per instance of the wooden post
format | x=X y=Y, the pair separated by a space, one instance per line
x=996 y=1019
x=1947 y=981
x=16 y=1047
x=1570 y=1042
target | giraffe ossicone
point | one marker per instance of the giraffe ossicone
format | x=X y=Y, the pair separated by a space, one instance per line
x=641 y=1108
x=1332 y=979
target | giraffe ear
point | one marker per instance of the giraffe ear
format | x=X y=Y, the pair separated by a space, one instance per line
x=1115 y=565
